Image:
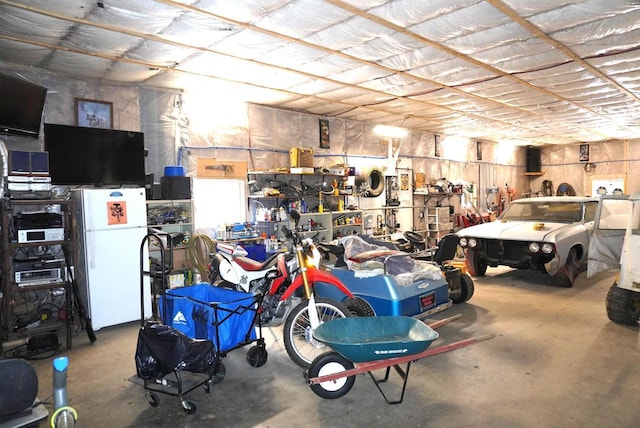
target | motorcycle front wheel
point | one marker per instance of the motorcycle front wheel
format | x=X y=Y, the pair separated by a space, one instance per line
x=298 y=334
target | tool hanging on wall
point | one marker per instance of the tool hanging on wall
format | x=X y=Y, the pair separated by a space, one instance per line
x=223 y=167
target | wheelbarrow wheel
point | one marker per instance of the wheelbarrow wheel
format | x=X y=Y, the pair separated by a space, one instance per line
x=328 y=364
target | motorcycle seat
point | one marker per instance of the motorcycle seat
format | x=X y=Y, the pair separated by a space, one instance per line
x=253 y=265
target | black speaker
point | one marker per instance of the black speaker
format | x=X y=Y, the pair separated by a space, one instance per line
x=18 y=386
x=156 y=191
x=148 y=185
x=533 y=159
x=175 y=187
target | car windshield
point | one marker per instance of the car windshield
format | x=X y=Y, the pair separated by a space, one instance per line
x=562 y=212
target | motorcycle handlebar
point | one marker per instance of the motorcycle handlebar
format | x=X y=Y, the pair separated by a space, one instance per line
x=288 y=233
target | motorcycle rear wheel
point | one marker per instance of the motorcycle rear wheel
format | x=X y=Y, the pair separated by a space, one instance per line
x=298 y=335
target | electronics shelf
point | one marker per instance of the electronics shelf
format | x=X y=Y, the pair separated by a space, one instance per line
x=37 y=296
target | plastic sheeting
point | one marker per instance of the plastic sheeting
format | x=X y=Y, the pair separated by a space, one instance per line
x=404 y=269
x=182 y=126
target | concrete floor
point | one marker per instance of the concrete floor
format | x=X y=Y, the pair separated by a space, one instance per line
x=556 y=361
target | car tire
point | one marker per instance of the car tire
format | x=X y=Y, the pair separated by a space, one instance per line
x=359 y=307
x=567 y=274
x=476 y=266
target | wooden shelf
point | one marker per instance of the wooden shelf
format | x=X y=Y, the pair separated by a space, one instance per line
x=534 y=174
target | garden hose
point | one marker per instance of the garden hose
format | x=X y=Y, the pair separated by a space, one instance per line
x=198 y=250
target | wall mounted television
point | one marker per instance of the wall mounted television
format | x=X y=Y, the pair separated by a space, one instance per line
x=94 y=156
x=21 y=106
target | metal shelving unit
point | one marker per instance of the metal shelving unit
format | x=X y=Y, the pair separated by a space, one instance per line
x=42 y=305
x=172 y=217
x=328 y=224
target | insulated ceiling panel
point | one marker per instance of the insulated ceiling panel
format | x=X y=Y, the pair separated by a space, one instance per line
x=536 y=72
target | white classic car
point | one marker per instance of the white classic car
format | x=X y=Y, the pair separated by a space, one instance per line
x=549 y=233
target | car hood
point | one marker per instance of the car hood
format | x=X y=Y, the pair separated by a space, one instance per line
x=513 y=230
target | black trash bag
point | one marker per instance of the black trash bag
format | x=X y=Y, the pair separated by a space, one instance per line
x=162 y=350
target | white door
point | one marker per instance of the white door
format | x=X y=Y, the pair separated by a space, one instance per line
x=217 y=202
x=607 y=235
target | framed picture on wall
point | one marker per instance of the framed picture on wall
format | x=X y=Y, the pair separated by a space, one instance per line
x=94 y=114
x=584 y=152
x=325 y=142
x=404 y=181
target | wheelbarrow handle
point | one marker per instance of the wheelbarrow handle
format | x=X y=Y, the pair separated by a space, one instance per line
x=444 y=321
x=485 y=337
x=368 y=366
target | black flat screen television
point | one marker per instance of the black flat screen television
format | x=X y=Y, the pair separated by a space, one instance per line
x=94 y=156
x=21 y=106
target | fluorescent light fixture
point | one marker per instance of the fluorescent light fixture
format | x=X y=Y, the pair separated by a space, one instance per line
x=390 y=131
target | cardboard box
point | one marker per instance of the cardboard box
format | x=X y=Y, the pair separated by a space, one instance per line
x=300 y=158
x=301 y=170
x=180 y=258
x=212 y=168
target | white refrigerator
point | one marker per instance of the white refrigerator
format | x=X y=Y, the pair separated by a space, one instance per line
x=112 y=225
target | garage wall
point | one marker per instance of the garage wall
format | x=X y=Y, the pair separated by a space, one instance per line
x=608 y=160
x=180 y=127
x=60 y=102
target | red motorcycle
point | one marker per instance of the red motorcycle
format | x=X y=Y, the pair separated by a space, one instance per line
x=289 y=296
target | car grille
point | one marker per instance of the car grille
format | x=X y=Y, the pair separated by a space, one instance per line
x=512 y=253
x=505 y=250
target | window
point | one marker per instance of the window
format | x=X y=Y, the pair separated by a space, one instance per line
x=590 y=211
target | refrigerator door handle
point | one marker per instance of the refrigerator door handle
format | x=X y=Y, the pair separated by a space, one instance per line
x=91 y=252
x=88 y=210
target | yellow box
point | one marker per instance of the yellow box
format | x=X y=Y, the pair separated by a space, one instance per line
x=300 y=158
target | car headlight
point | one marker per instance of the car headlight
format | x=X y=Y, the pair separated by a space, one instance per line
x=534 y=247
x=547 y=248
x=472 y=242
x=462 y=242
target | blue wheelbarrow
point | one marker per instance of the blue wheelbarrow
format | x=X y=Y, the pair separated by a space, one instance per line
x=364 y=344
